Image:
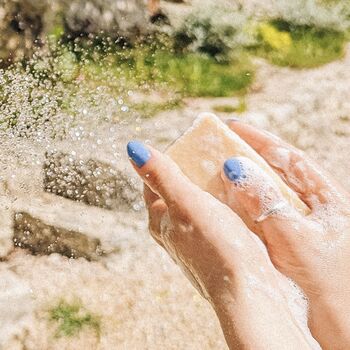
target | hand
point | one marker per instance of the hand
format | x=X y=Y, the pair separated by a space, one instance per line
x=315 y=250
x=226 y=262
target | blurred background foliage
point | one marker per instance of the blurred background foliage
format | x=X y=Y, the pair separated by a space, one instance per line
x=206 y=51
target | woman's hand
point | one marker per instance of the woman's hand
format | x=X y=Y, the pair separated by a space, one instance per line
x=315 y=250
x=226 y=262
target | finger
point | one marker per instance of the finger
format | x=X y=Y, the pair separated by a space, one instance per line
x=299 y=172
x=184 y=200
x=161 y=174
x=254 y=196
x=149 y=196
x=199 y=231
x=156 y=210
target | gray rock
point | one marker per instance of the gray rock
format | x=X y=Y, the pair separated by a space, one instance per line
x=43 y=239
x=90 y=181
x=113 y=18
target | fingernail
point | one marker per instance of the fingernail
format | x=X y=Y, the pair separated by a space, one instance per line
x=138 y=153
x=233 y=169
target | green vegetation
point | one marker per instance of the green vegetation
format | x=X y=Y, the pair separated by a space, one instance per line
x=150 y=109
x=240 y=108
x=215 y=28
x=189 y=74
x=285 y=44
x=200 y=75
x=224 y=109
x=72 y=318
x=298 y=33
x=208 y=54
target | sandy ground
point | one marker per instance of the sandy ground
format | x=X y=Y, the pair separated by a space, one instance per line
x=142 y=299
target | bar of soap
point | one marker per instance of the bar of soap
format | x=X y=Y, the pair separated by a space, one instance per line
x=202 y=150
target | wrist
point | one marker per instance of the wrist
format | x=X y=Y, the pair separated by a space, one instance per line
x=329 y=321
x=270 y=318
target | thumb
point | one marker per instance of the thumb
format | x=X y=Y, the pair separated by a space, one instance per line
x=254 y=196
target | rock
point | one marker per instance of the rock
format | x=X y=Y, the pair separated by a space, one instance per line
x=21 y=28
x=46 y=224
x=113 y=18
x=6 y=227
x=90 y=181
x=258 y=119
x=43 y=239
x=283 y=113
x=16 y=304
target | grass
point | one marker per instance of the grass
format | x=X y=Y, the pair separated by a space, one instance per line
x=70 y=74
x=154 y=65
x=224 y=108
x=240 y=108
x=189 y=74
x=72 y=318
x=151 y=109
x=285 y=44
x=200 y=75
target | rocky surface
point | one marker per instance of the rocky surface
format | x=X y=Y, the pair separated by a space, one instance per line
x=142 y=299
x=29 y=232
x=89 y=181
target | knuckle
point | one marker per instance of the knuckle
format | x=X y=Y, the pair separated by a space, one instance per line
x=155 y=179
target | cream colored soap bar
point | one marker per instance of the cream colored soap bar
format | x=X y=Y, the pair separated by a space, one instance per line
x=202 y=150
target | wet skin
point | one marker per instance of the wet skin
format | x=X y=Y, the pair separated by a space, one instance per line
x=228 y=264
x=315 y=250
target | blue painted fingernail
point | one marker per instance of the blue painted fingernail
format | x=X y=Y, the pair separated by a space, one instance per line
x=138 y=153
x=233 y=169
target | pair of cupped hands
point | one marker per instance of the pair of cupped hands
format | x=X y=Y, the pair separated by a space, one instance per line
x=243 y=261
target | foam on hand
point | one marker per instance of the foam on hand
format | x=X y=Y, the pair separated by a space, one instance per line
x=202 y=150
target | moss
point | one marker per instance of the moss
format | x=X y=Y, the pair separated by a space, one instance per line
x=224 y=108
x=72 y=318
x=200 y=75
x=189 y=74
x=149 y=109
x=276 y=39
x=240 y=108
x=286 y=44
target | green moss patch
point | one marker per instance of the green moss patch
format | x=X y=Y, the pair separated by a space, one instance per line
x=189 y=74
x=72 y=318
x=285 y=44
x=240 y=108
